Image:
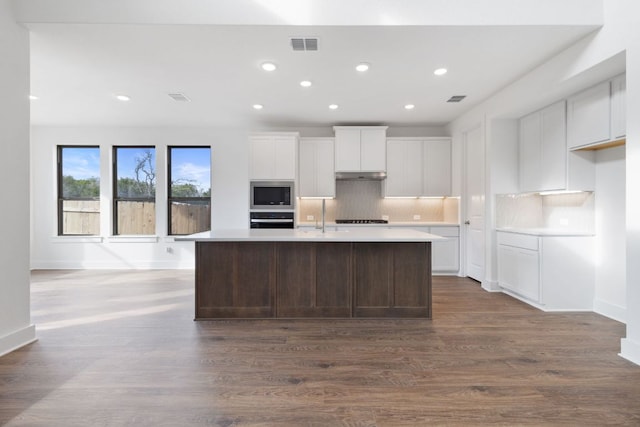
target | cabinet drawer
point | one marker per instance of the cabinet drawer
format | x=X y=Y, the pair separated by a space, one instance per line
x=518 y=240
x=445 y=231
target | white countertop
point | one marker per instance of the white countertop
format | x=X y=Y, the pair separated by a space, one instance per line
x=546 y=232
x=295 y=235
x=390 y=224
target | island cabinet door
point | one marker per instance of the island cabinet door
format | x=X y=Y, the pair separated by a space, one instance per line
x=313 y=279
x=235 y=279
x=392 y=280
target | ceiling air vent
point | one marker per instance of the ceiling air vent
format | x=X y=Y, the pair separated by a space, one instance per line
x=179 y=97
x=456 y=98
x=304 y=44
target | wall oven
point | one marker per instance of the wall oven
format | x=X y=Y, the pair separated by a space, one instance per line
x=278 y=219
x=270 y=195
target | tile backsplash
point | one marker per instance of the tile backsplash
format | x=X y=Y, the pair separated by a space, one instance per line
x=363 y=200
x=572 y=211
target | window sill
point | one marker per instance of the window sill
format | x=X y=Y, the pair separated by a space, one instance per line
x=77 y=239
x=133 y=239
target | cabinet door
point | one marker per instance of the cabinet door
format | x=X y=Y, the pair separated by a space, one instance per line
x=325 y=172
x=445 y=255
x=588 y=116
x=553 y=153
x=404 y=169
x=262 y=158
x=618 y=107
x=373 y=150
x=508 y=267
x=284 y=158
x=347 y=150
x=528 y=269
x=307 y=167
x=529 y=156
x=437 y=168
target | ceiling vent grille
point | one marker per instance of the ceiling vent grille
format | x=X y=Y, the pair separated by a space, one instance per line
x=456 y=98
x=302 y=44
x=179 y=97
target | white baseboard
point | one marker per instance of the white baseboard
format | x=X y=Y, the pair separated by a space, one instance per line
x=112 y=265
x=491 y=286
x=17 y=339
x=630 y=350
x=612 y=311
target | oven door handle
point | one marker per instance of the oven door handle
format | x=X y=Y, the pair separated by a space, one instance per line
x=271 y=221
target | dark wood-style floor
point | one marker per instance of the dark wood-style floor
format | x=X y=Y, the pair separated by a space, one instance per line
x=121 y=348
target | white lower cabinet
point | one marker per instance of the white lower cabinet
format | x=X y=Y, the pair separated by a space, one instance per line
x=548 y=272
x=445 y=254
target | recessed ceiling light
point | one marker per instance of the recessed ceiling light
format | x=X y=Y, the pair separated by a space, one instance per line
x=362 y=67
x=333 y=106
x=268 y=66
x=305 y=83
x=123 y=98
x=440 y=72
x=257 y=106
x=409 y=107
x=33 y=97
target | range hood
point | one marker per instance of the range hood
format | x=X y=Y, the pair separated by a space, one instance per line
x=361 y=176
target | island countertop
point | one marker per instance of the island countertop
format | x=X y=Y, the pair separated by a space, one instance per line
x=295 y=235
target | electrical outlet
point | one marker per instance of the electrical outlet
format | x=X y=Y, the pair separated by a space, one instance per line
x=417 y=217
x=385 y=217
x=310 y=218
x=169 y=250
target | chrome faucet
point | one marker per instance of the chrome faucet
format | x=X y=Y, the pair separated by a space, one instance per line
x=323 y=213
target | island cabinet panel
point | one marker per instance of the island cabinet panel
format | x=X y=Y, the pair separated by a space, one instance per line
x=314 y=280
x=392 y=280
x=235 y=280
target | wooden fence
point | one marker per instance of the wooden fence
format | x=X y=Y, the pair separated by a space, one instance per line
x=83 y=217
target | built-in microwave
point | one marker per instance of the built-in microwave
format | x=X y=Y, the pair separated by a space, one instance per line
x=272 y=195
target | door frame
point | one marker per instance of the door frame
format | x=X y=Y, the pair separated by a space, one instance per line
x=464 y=202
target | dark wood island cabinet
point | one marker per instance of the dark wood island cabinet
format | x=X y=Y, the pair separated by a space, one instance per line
x=311 y=275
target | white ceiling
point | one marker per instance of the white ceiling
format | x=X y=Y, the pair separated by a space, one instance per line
x=76 y=69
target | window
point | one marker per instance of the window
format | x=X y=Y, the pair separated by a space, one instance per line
x=189 y=189
x=134 y=189
x=78 y=191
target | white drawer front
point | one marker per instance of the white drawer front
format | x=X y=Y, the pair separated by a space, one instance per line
x=518 y=240
x=445 y=231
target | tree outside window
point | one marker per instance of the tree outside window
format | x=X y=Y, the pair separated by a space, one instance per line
x=78 y=190
x=134 y=191
x=189 y=189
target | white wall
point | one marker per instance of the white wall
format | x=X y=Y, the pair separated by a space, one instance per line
x=230 y=196
x=610 y=51
x=610 y=290
x=15 y=324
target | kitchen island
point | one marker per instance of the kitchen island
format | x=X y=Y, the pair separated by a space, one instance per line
x=262 y=273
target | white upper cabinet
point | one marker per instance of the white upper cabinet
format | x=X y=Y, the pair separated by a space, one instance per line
x=597 y=115
x=418 y=167
x=436 y=167
x=543 y=150
x=404 y=168
x=360 y=149
x=273 y=156
x=618 y=107
x=316 y=170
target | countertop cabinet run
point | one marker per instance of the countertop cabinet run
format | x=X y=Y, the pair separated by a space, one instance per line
x=360 y=149
x=553 y=273
x=316 y=168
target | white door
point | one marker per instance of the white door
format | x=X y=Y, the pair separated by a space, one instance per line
x=474 y=203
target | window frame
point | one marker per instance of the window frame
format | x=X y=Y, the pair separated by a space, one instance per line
x=114 y=183
x=60 y=189
x=171 y=199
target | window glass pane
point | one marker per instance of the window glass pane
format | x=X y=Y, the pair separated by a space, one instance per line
x=190 y=217
x=190 y=172
x=136 y=217
x=81 y=217
x=136 y=173
x=80 y=172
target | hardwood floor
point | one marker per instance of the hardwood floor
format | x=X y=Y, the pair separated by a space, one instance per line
x=120 y=348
